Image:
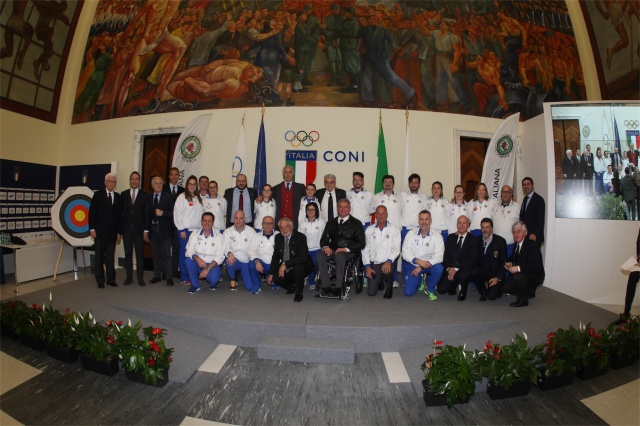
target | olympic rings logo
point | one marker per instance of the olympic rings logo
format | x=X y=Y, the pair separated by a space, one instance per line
x=633 y=124
x=301 y=137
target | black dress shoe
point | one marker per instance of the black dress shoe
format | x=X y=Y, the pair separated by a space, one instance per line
x=141 y=283
x=532 y=294
x=154 y=280
x=462 y=297
x=113 y=284
x=326 y=291
x=381 y=286
x=290 y=291
x=170 y=282
x=389 y=293
x=452 y=292
x=337 y=291
x=100 y=285
x=483 y=297
x=520 y=303
x=297 y=298
x=127 y=281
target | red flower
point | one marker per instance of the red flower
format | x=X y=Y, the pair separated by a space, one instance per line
x=156 y=331
x=592 y=332
x=551 y=335
x=119 y=323
x=10 y=304
x=109 y=323
x=67 y=310
x=35 y=306
x=487 y=347
x=549 y=360
x=170 y=359
x=151 y=362
x=498 y=357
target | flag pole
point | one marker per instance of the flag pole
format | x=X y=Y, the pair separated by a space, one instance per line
x=263 y=109
x=406 y=115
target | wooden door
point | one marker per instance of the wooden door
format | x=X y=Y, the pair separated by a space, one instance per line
x=566 y=135
x=472 y=152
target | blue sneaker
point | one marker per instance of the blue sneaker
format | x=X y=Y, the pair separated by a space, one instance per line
x=193 y=290
x=274 y=287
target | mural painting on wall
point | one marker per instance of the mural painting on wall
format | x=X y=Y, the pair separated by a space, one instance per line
x=613 y=28
x=477 y=57
x=35 y=38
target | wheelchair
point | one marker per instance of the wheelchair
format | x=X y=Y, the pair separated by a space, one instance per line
x=353 y=279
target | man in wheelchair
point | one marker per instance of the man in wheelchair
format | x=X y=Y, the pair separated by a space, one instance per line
x=342 y=239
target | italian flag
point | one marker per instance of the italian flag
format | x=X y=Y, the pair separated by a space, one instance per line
x=304 y=171
x=633 y=137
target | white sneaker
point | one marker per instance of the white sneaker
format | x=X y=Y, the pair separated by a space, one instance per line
x=396 y=284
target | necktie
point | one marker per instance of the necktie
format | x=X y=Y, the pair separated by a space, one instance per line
x=174 y=190
x=516 y=254
x=330 y=207
x=458 y=246
x=156 y=201
x=285 y=255
x=110 y=199
x=524 y=205
x=133 y=196
x=288 y=185
x=341 y=221
x=241 y=202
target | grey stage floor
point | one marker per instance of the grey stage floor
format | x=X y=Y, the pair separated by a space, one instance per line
x=197 y=323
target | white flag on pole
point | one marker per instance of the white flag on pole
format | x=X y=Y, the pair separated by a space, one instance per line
x=238 y=164
x=188 y=153
x=408 y=169
x=500 y=160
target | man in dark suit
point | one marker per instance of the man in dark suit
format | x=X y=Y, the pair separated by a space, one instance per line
x=290 y=261
x=174 y=189
x=577 y=167
x=526 y=271
x=161 y=231
x=329 y=197
x=242 y=198
x=532 y=211
x=489 y=272
x=460 y=257
x=105 y=227
x=632 y=154
x=135 y=219
x=287 y=195
x=616 y=158
x=568 y=171
x=342 y=238
x=587 y=169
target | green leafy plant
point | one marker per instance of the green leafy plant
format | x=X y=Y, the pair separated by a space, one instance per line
x=596 y=351
x=453 y=370
x=94 y=339
x=624 y=339
x=29 y=321
x=11 y=313
x=148 y=354
x=508 y=364
x=564 y=351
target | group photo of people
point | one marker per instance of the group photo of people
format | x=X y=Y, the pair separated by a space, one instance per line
x=285 y=236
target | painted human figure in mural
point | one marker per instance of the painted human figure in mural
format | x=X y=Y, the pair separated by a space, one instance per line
x=614 y=10
x=16 y=25
x=49 y=12
x=489 y=70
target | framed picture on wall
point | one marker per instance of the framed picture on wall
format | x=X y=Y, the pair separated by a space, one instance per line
x=36 y=37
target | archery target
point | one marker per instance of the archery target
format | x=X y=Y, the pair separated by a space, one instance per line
x=70 y=215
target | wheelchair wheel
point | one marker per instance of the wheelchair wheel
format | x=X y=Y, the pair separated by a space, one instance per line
x=358 y=275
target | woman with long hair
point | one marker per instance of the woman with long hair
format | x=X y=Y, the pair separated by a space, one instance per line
x=265 y=208
x=313 y=227
x=480 y=208
x=187 y=216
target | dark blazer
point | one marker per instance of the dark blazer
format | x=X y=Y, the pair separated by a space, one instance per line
x=298 y=252
x=534 y=216
x=340 y=194
x=228 y=195
x=105 y=218
x=530 y=259
x=165 y=222
x=588 y=167
x=492 y=261
x=298 y=190
x=468 y=256
x=629 y=156
x=167 y=188
x=349 y=235
x=577 y=166
x=615 y=161
x=568 y=167
x=135 y=216
x=628 y=186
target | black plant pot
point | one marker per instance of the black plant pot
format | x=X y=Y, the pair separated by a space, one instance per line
x=138 y=377
x=618 y=361
x=108 y=367
x=554 y=381
x=431 y=399
x=64 y=354
x=590 y=371
x=519 y=388
x=32 y=342
x=9 y=332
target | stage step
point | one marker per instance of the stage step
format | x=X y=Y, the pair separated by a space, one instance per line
x=321 y=351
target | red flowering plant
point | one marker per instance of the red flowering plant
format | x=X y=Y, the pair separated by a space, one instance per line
x=11 y=313
x=29 y=321
x=452 y=371
x=623 y=339
x=148 y=354
x=507 y=364
x=563 y=351
x=95 y=339
x=595 y=351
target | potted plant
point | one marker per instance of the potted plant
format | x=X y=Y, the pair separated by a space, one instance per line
x=596 y=357
x=623 y=343
x=145 y=360
x=510 y=369
x=96 y=345
x=450 y=375
x=29 y=326
x=560 y=357
x=10 y=312
x=61 y=335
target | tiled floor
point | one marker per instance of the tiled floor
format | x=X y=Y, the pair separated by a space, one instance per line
x=616 y=406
